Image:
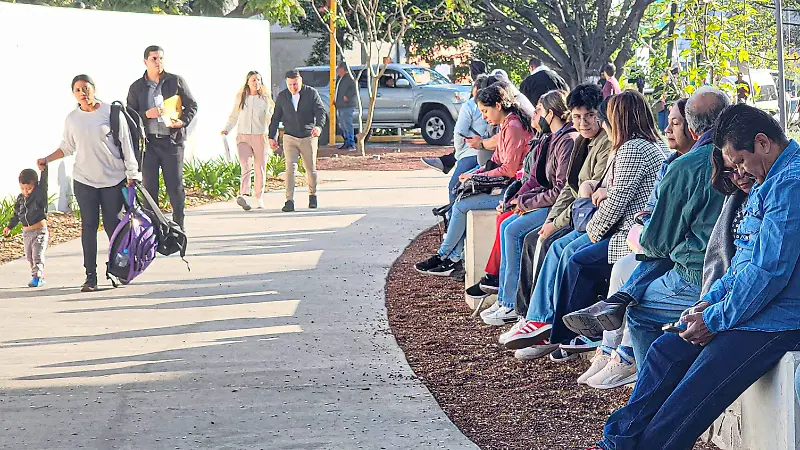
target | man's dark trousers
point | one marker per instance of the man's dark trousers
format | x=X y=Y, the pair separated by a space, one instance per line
x=163 y=154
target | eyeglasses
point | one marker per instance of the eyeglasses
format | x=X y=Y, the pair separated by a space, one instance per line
x=734 y=173
x=588 y=118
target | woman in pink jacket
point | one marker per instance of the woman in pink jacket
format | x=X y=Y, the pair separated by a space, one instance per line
x=498 y=108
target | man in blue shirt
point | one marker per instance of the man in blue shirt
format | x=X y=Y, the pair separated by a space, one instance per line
x=749 y=318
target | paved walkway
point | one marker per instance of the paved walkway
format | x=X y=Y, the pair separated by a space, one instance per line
x=276 y=339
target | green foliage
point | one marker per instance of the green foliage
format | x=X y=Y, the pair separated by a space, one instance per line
x=216 y=178
x=6 y=212
x=283 y=12
x=275 y=165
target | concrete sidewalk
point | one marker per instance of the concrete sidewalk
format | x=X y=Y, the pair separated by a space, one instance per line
x=276 y=339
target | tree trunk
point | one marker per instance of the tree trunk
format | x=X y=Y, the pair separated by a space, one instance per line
x=671 y=44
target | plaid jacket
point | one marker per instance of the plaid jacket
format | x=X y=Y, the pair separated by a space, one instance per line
x=633 y=170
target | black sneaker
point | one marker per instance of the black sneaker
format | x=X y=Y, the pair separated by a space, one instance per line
x=312 y=202
x=476 y=292
x=490 y=284
x=445 y=268
x=289 y=206
x=428 y=264
x=459 y=274
x=90 y=285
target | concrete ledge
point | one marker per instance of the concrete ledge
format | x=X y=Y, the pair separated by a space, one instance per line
x=766 y=416
x=477 y=248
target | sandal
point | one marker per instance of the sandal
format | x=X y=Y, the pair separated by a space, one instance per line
x=581 y=344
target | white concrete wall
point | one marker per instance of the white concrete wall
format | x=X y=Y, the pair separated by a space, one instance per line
x=44 y=47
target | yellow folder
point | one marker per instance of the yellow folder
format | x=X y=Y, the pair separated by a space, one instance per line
x=173 y=107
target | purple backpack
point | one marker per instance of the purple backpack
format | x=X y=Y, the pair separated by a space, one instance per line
x=133 y=245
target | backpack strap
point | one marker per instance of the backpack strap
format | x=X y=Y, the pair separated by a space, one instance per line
x=116 y=110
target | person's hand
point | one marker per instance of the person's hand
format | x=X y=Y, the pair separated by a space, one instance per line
x=344 y=97
x=464 y=177
x=152 y=113
x=697 y=332
x=316 y=132
x=6 y=231
x=698 y=308
x=599 y=195
x=593 y=239
x=500 y=208
x=520 y=210
x=474 y=142
x=546 y=230
x=176 y=123
x=224 y=133
x=514 y=201
x=131 y=182
x=42 y=163
x=273 y=144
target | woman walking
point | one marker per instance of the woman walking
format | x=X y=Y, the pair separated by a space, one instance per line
x=101 y=168
x=252 y=112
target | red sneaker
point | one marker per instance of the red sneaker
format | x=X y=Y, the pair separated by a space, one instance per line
x=530 y=334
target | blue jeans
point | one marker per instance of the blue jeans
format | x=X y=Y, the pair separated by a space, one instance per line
x=542 y=308
x=663 y=302
x=512 y=235
x=663 y=119
x=682 y=388
x=463 y=165
x=585 y=276
x=344 y=117
x=453 y=245
x=797 y=384
x=645 y=273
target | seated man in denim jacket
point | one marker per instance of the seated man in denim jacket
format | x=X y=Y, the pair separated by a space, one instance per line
x=750 y=317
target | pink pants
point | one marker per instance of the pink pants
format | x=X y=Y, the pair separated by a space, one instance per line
x=252 y=145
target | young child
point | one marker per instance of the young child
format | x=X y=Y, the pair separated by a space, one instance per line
x=31 y=210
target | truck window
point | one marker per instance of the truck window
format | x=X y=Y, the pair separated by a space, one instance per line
x=315 y=78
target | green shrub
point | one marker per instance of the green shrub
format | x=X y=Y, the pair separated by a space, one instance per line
x=6 y=212
x=217 y=178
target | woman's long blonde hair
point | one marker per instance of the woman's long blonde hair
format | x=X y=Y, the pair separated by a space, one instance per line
x=262 y=92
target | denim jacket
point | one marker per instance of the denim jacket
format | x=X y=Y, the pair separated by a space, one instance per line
x=761 y=289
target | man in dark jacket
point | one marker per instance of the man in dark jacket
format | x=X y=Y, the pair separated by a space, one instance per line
x=345 y=106
x=540 y=81
x=153 y=96
x=303 y=115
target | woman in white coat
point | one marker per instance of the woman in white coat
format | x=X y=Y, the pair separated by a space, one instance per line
x=252 y=111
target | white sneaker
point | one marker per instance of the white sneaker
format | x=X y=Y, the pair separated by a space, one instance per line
x=261 y=203
x=244 y=202
x=491 y=310
x=615 y=374
x=599 y=360
x=504 y=337
x=535 y=352
x=500 y=317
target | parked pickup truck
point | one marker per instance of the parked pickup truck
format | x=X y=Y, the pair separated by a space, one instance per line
x=408 y=97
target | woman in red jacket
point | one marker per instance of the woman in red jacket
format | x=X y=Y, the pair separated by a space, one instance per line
x=548 y=175
x=498 y=108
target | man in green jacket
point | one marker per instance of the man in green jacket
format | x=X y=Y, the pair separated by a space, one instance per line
x=678 y=230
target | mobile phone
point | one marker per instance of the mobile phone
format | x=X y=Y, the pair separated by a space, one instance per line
x=676 y=327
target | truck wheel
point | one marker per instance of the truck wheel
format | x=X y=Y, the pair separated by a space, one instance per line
x=437 y=127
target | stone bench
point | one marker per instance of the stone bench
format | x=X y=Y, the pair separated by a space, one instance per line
x=477 y=247
x=766 y=416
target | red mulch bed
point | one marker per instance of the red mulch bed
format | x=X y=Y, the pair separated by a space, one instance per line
x=494 y=399
x=379 y=157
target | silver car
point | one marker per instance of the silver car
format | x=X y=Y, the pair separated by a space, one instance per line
x=408 y=96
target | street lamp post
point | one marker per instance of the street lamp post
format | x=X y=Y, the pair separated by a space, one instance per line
x=332 y=84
